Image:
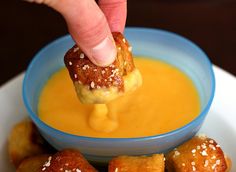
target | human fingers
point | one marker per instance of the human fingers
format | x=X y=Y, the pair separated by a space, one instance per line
x=88 y=27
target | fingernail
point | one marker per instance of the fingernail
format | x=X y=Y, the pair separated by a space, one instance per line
x=104 y=53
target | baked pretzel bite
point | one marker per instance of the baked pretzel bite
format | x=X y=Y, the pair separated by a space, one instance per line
x=228 y=162
x=198 y=154
x=67 y=160
x=25 y=141
x=32 y=164
x=154 y=163
x=95 y=84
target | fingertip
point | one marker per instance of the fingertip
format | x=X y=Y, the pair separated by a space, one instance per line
x=88 y=27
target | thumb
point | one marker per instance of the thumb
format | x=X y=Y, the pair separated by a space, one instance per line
x=88 y=27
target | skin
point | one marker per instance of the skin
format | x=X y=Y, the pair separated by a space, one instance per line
x=90 y=25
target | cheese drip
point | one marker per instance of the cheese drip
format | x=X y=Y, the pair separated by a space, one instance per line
x=102 y=120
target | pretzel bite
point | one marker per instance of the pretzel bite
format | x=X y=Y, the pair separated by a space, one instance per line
x=154 y=163
x=228 y=162
x=25 y=141
x=198 y=154
x=32 y=164
x=95 y=84
x=67 y=160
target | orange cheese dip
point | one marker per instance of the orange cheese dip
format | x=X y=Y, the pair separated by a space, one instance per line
x=166 y=101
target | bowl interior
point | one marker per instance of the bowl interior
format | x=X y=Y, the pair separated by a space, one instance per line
x=152 y=43
x=179 y=52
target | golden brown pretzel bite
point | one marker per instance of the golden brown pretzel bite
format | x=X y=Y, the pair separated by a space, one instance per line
x=154 y=163
x=67 y=160
x=228 y=162
x=198 y=154
x=25 y=141
x=32 y=164
x=96 y=84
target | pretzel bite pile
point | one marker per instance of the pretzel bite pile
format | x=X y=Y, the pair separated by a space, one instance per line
x=198 y=154
x=96 y=84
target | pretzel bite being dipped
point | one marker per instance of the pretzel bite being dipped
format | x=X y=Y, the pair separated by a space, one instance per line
x=98 y=85
x=67 y=160
x=154 y=163
x=198 y=154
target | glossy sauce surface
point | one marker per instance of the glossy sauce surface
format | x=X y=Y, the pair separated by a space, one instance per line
x=166 y=101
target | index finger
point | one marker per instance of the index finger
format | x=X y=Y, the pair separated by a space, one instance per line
x=115 y=12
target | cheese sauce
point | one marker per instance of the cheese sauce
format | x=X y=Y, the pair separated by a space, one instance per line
x=166 y=101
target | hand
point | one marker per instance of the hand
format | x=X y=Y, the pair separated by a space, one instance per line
x=90 y=25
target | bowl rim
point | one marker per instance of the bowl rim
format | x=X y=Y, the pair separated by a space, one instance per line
x=39 y=122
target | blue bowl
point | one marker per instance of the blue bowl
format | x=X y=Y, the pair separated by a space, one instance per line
x=154 y=43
